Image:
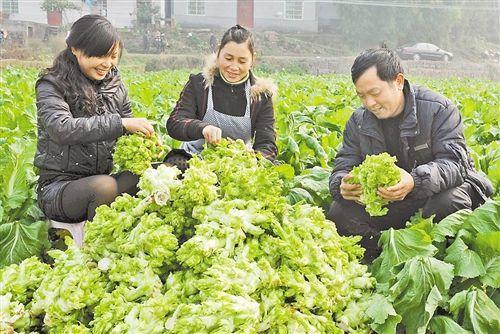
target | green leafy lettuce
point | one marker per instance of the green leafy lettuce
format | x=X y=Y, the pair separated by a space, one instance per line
x=376 y=171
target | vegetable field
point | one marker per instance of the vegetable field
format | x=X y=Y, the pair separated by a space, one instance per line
x=239 y=245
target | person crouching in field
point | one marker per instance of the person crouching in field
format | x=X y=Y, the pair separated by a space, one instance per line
x=423 y=130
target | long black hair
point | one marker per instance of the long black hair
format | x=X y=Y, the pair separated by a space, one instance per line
x=94 y=36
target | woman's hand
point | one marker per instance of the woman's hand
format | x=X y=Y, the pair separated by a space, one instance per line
x=212 y=134
x=135 y=125
x=350 y=192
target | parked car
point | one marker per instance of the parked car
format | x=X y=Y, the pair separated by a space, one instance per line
x=423 y=51
x=490 y=54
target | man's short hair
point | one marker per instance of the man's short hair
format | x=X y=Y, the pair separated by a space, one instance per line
x=387 y=63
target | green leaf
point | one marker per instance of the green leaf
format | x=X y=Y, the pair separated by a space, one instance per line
x=297 y=195
x=14 y=179
x=389 y=326
x=418 y=289
x=457 y=302
x=487 y=244
x=314 y=145
x=385 y=318
x=467 y=263
x=417 y=222
x=484 y=219
x=433 y=301
x=479 y=312
x=492 y=275
x=315 y=180
x=450 y=225
x=379 y=308
x=445 y=325
x=399 y=246
x=286 y=171
x=19 y=241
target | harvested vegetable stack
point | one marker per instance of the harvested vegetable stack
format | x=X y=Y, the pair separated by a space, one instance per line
x=219 y=251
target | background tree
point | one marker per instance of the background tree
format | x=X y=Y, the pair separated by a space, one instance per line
x=57 y=5
x=147 y=14
x=444 y=23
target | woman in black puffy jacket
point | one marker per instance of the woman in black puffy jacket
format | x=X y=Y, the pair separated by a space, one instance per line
x=83 y=108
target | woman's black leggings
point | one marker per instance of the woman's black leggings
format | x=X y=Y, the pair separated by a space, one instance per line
x=81 y=197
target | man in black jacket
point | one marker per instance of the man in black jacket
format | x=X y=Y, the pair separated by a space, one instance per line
x=423 y=130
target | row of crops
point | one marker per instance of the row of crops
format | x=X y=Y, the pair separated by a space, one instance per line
x=239 y=245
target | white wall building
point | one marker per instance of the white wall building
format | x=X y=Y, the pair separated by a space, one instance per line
x=121 y=13
x=284 y=15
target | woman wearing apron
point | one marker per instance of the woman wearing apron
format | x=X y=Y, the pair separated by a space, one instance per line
x=225 y=101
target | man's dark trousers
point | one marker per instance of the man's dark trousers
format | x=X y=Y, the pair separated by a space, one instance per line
x=352 y=219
